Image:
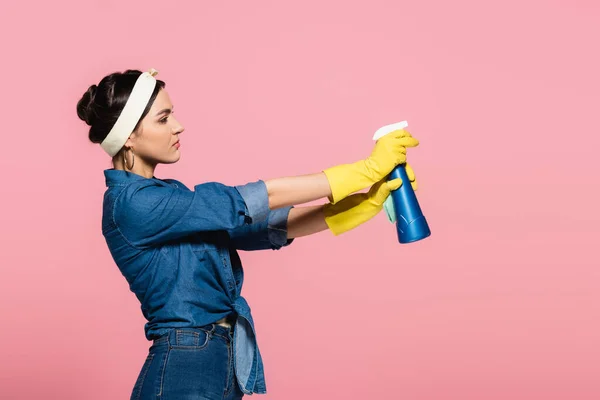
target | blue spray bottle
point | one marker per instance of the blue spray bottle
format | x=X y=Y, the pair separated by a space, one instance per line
x=402 y=206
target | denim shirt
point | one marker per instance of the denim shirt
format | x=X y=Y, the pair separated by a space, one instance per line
x=177 y=248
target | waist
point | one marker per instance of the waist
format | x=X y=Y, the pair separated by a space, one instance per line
x=160 y=329
x=226 y=322
x=223 y=327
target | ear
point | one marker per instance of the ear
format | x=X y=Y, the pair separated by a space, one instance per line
x=131 y=140
x=135 y=134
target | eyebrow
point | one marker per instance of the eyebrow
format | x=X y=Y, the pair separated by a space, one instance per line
x=166 y=110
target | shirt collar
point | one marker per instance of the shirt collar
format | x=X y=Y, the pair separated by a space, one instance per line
x=120 y=177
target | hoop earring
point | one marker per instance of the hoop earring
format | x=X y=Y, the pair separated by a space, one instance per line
x=125 y=159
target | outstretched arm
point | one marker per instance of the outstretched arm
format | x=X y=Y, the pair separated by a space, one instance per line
x=292 y=190
x=349 y=213
x=339 y=181
x=304 y=221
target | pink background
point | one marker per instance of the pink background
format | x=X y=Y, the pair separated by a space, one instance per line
x=501 y=302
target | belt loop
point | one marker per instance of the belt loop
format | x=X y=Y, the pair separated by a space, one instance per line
x=212 y=330
x=169 y=336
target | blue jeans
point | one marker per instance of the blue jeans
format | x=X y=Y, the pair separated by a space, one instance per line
x=189 y=364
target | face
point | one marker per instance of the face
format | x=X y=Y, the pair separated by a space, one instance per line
x=154 y=141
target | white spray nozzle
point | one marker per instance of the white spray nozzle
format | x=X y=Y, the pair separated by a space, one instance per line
x=384 y=130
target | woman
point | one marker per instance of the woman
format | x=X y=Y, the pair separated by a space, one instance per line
x=177 y=247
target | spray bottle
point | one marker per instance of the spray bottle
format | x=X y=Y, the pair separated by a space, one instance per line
x=402 y=206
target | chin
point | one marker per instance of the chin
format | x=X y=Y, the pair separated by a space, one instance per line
x=171 y=160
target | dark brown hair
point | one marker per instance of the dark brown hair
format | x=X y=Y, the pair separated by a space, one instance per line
x=101 y=104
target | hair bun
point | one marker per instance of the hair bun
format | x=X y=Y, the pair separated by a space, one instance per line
x=85 y=106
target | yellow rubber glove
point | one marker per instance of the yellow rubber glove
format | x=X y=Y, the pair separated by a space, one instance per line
x=388 y=204
x=358 y=208
x=389 y=151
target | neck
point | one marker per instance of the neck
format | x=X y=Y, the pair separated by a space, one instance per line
x=139 y=168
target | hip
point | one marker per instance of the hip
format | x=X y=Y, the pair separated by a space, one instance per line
x=187 y=362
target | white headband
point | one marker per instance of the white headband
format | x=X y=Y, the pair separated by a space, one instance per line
x=129 y=117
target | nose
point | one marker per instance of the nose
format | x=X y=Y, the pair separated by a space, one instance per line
x=178 y=128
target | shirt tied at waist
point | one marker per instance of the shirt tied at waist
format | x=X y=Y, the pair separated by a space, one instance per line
x=248 y=363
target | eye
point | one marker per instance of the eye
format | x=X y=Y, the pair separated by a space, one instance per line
x=164 y=120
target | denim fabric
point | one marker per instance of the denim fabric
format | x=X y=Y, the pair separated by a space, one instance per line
x=177 y=249
x=189 y=363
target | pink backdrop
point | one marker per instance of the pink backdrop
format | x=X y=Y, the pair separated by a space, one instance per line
x=501 y=302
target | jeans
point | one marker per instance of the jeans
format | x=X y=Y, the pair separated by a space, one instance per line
x=189 y=364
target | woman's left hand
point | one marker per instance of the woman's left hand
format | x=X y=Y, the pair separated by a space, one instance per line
x=358 y=208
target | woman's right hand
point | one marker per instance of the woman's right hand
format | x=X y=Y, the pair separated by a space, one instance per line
x=389 y=151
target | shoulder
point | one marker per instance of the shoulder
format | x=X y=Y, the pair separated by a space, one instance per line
x=142 y=192
x=208 y=187
x=147 y=193
x=175 y=183
x=143 y=200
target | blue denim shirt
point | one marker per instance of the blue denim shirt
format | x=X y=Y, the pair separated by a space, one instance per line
x=177 y=248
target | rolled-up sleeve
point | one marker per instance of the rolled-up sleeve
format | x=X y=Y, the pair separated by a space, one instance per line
x=256 y=199
x=149 y=214
x=269 y=234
